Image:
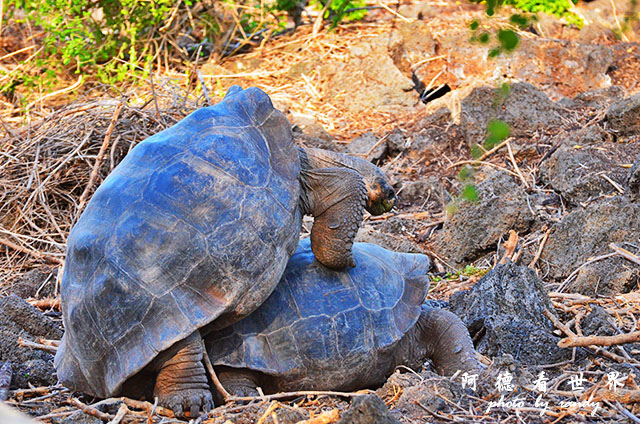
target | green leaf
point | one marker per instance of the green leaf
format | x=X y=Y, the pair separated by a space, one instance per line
x=474 y=25
x=519 y=20
x=469 y=193
x=484 y=37
x=452 y=208
x=504 y=90
x=497 y=131
x=476 y=152
x=494 y=52
x=508 y=39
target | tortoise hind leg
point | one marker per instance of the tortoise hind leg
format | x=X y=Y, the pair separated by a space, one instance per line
x=239 y=382
x=447 y=341
x=182 y=383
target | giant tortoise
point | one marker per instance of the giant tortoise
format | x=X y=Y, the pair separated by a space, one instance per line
x=327 y=330
x=192 y=231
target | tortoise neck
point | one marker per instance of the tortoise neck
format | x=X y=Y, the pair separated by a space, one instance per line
x=306 y=202
x=320 y=158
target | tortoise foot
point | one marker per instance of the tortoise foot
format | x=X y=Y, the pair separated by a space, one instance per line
x=240 y=382
x=182 y=383
x=245 y=391
x=187 y=402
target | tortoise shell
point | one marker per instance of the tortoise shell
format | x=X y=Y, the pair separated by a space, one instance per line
x=320 y=326
x=195 y=225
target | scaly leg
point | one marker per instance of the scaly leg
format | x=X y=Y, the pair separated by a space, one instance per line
x=182 y=383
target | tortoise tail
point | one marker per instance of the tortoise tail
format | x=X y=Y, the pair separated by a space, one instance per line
x=447 y=341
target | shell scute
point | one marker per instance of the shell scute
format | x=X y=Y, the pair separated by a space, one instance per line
x=240 y=153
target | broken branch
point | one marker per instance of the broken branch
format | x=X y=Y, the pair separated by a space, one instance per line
x=103 y=149
x=600 y=340
x=625 y=253
x=33 y=253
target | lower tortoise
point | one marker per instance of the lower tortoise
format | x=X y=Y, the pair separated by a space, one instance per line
x=327 y=330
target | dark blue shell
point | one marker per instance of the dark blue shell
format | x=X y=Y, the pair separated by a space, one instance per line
x=319 y=321
x=195 y=224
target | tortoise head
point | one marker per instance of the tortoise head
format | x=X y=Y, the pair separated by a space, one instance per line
x=381 y=197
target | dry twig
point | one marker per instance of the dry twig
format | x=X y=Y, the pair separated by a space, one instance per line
x=214 y=377
x=325 y=417
x=284 y=395
x=509 y=246
x=26 y=343
x=96 y=165
x=33 y=253
x=600 y=340
x=625 y=253
x=540 y=248
x=90 y=410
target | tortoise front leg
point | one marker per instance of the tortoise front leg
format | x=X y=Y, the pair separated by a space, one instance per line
x=336 y=198
x=182 y=384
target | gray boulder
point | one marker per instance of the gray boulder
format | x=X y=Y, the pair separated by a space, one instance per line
x=586 y=233
x=504 y=314
x=367 y=409
x=624 y=115
x=526 y=109
x=21 y=320
x=582 y=170
x=476 y=227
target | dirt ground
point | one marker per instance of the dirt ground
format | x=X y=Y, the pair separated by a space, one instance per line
x=548 y=252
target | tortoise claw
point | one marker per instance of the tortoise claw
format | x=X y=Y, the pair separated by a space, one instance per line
x=191 y=402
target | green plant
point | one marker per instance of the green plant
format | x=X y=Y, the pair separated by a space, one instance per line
x=119 y=41
x=113 y=40
x=560 y=8
x=507 y=40
x=341 y=10
x=467 y=271
x=497 y=131
x=468 y=193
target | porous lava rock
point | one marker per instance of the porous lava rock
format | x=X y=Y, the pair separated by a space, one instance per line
x=21 y=320
x=366 y=409
x=587 y=232
x=624 y=115
x=388 y=240
x=595 y=99
x=581 y=170
x=525 y=108
x=476 y=227
x=633 y=181
x=366 y=146
x=504 y=314
x=420 y=391
x=38 y=282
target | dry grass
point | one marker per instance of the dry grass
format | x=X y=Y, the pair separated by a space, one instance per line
x=46 y=168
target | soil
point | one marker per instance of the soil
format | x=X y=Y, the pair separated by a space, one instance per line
x=566 y=182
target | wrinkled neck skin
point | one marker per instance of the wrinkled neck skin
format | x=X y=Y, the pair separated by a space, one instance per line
x=446 y=341
x=319 y=158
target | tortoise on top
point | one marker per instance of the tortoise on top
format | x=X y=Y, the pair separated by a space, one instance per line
x=192 y=230
x=327 y=330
